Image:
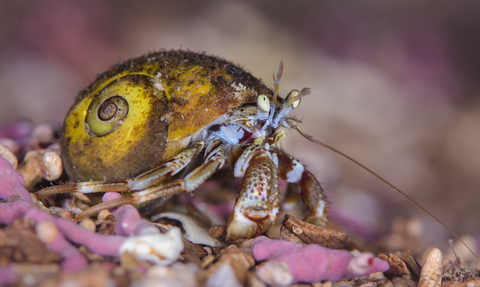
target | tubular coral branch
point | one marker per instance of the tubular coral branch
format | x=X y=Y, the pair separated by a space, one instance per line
x=106 y=245
x=18 y=200
x=10 y=211
x=129 y=222
x=49 y=234
x=291 y=263
x=57 y=232
x=11 y=183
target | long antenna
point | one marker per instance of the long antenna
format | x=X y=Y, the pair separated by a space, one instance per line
x=310 y=138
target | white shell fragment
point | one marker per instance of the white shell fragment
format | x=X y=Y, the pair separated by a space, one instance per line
x=275 y=273
x=223 y=276
x=8 y=155
x=161 y=249
x=194 y=231
x=41 y=164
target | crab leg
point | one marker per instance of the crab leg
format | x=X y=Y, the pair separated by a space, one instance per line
x=257 y=201
x=293 y=171
x=149 y=178
x=214 y=160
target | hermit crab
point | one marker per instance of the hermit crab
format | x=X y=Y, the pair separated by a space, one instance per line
x=145 y=120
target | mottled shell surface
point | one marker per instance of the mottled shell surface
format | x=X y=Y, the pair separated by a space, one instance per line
x=159 y=101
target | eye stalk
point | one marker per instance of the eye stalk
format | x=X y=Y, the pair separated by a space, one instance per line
x=276 y=116
x=291 y=102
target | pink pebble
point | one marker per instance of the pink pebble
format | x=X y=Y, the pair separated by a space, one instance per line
x=7 y=276
x=108 y=196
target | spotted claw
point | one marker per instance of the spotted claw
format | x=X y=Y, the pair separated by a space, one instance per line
x=257 y=203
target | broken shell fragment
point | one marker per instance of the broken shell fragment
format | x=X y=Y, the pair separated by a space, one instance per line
x=223 y=276
x=194 y=230
x=298 y=231
x=39 y=165
x=398 y=268
x=218 y=231
x=234 y=254
x=238 y=259
x=88 y=224
x=275 y=273
x=411 y=262
x=161 y=249
x=192 y=249
x=8 y=155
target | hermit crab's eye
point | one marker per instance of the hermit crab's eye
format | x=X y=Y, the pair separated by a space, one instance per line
x=296 y=103
x=106 y=114
x=293 y=98
x=263 y=103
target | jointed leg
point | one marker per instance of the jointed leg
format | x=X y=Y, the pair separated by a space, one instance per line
x=257 y=201
x=293 y=171
x=150 y=178
x=214 y=160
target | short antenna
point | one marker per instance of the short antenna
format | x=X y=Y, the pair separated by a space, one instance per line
x=276 y=81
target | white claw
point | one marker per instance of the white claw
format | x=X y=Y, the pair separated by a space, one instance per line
x=194 y=231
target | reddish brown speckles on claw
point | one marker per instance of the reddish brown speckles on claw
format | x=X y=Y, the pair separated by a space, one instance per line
x=257 y=201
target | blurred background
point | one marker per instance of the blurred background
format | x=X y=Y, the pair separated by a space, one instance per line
x=394 y=85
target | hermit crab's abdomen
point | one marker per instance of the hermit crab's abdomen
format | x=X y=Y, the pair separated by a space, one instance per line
x=142 y=112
